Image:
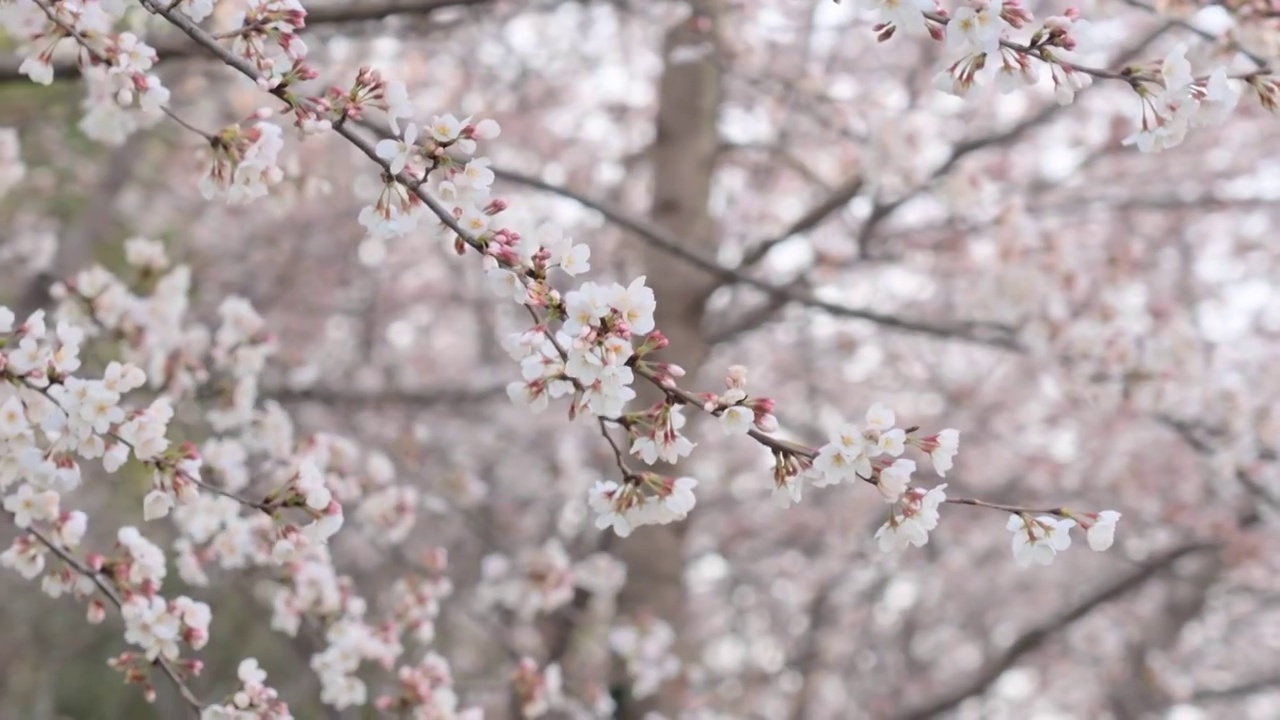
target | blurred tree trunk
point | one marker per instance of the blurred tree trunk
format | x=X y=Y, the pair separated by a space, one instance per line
x=683 y=161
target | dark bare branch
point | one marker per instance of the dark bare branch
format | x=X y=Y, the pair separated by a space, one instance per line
x=663 y=241
x=1033 y=638
x=816 y=215
x=414 y=399
x=1266 y=683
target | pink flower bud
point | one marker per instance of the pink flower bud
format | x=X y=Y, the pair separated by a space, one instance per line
x=436 y=559
x=767 y=424
x=656 y=340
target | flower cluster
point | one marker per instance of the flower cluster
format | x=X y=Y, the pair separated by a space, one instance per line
x=444 y=145
x=540 y=582
x=155 y=625
x=49 y=418
x=627 y=506
x=426 y=691
x=592 y=354
x=245 y=160
x=737 y=412
x=872 y=453
x=914 y=516
x=265 y=33
x=124 y=96
x=1181 y=101
x=981 y=49
x=415 y=603
x=1037 y=540
x=254 y=699
x=851 y=449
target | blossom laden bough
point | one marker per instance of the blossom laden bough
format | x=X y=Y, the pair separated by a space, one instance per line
x=599 y=360
x=588 y=344
x=979 y=39
x=51 y=416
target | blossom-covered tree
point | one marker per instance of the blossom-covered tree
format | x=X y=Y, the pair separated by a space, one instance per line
x=506 y=354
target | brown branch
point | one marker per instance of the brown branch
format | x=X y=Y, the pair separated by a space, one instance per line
x=96 y=578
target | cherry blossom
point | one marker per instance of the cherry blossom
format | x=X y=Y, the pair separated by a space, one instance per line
x=132 y=370
x=1039 y=539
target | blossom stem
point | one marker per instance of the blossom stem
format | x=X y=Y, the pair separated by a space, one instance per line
x=96 y=578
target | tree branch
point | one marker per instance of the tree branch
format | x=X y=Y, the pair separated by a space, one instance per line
x=837 y=199
x=1037 y=635
x=808 y=656
x=175 y=677
x=1255 y=58
x=663 y=241
x=1231 y=692
x=881 y=211
x=337 y=13
x=416 y=399
x=1196 y=438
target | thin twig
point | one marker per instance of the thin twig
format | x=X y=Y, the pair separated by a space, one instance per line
x=187 y=695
